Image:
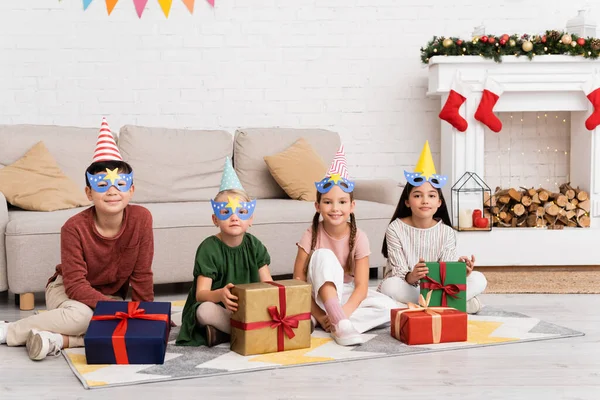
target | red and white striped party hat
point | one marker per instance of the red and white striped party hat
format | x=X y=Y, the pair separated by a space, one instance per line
x=338 y=165
x=106 y=147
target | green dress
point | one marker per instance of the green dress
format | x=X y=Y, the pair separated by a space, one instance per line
x=222 y=264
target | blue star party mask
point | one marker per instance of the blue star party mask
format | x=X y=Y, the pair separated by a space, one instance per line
x=102 y=182
x=225 y=209
x=325 y=185
x=417 y=179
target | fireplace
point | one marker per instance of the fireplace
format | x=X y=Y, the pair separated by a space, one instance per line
x=546 y=84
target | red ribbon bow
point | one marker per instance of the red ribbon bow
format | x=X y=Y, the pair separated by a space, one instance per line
x=118 y=337
x=284 y=324
x=451 y=290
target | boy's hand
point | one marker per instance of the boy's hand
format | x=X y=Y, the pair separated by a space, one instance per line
x=419 y=272
x=469 y=262
x=228 y=299
x=324 y=322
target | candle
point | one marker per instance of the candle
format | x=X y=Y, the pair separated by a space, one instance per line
x=476 y=215
x=465 y=218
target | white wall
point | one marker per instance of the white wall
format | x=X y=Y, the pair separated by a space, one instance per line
x=348 y=65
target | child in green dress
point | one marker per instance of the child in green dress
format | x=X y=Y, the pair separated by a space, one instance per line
x=229 y=258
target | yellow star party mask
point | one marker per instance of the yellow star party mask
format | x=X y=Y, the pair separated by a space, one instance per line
x=225 y=209
x=102 y=182
x=425 y=171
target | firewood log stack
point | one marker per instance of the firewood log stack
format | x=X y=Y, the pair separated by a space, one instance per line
x=529 y=208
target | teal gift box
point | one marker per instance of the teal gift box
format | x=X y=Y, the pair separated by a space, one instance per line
x=448 y=283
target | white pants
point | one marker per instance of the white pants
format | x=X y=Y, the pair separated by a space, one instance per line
x=398 y=289
x=372 y=312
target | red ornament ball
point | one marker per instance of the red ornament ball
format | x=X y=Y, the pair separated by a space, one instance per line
x=459 y=42
x=505 y=37
x=484 y=39
x=492 y=40
x=502 y=42
x=544 y=39
x=581 y=41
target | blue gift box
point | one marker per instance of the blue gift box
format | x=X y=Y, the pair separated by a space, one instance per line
x=145 y=341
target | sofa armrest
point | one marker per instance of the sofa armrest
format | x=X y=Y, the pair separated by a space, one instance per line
x=3 y=223
x=386 y=191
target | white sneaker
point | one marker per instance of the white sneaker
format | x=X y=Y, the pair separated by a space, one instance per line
x=3 y=331
x=42 y=343
x=345 y=334
x=474 y=305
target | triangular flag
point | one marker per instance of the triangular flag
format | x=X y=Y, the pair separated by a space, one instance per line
x=338 y=165
x=166 y=6
x=211 y=2
x=229 y=180
x=139 y=6
x=110 y=5
x=106 y=148
x=190 y=5
x=86 y=4
x=425 y=164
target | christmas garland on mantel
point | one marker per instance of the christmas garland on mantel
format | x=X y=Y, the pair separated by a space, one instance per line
x=494 y=47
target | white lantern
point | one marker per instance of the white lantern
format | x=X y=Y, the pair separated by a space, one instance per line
x=582 y=24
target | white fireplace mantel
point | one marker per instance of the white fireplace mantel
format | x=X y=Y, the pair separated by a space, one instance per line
x=546 y=83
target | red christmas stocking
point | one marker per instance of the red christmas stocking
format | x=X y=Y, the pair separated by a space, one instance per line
x=491 y=93
x=592 y=91
x=456 y=98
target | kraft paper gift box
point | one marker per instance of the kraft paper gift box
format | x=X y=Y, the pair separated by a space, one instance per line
x=428 y=325
x=271 y=317
x=122 y=332
x=447 y=282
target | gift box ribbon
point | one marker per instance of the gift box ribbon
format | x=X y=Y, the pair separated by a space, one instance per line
x=423 y=306
x=451 y=290
x=285 y=324
x=118 y=336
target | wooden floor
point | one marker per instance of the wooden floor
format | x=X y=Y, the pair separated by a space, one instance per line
x=555 y=369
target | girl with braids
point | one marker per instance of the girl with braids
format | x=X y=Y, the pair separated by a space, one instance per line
x=333 y=255
x=420 y=231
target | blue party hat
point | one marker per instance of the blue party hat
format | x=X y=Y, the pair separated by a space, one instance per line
x=229 y=180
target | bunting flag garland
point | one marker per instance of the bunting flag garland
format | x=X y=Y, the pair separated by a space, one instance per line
x=166 y=6
x=110 y=5
x=140 y=5
x=190 y=5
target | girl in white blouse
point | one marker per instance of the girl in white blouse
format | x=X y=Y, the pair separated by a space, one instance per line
x=420 y=231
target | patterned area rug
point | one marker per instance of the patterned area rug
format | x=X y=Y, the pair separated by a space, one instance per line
x=489 y=327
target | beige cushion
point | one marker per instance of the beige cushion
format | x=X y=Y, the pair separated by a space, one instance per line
x=71 y=147
x=35 y=182
x=174 y=165
x=251 y=145
x=296 y=169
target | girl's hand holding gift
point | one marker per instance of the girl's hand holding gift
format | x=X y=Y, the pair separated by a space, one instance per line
x=470 y=263
x=228 y=299
x=419 y=272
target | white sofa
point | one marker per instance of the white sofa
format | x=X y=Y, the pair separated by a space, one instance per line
x=177 y=172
